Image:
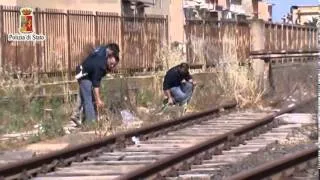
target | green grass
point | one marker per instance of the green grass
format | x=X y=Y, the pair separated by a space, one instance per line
x=17 y=114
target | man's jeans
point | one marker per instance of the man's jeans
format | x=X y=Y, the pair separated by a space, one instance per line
x=85 y=102
x=182 y=94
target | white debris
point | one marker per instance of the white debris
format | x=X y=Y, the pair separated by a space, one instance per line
x=291 y=105
x=135 y=140
x=127 y=117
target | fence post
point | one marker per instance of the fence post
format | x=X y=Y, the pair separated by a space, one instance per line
x=2 y=40
x=68 y=44
x=37 y=45
x=95 y=19
x=261 y=67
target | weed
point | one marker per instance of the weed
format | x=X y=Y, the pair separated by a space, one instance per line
x=238 y=82
x=20 y=111
x=168 y=57
x=144 y=98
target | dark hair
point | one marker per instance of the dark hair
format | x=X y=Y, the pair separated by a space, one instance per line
x=115 y=48
x=184 y=67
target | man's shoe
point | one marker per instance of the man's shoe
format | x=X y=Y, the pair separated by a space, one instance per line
x=76 y=121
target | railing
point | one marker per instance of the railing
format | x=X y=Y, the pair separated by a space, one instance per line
x=72 y=34
x=286 y=37
x=213 y=42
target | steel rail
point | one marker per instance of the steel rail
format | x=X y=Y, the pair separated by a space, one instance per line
x=283 y=52
x=64 y=157
x=271 y=168
x=176 y=161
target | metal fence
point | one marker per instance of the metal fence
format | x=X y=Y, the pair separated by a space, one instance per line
x=286 y=37
x=215 y=42
x=72 y=34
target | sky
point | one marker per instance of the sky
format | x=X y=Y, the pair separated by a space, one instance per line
x=282 y=7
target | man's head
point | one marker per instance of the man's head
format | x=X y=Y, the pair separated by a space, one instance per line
x=183 y=68
x=113 y=55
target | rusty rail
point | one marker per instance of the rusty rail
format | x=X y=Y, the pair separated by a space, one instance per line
x=77 y=153
x=188 y=156
x=284 y=55
x=271 y=168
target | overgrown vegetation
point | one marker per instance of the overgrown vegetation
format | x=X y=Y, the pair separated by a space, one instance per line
x=168 y=57
x=144 y=98
x=21 y=109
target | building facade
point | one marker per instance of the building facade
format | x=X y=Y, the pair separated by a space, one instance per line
x=265 y=11
x=227 y=9
x=304 y=14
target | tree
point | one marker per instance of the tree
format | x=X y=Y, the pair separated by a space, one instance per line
x=314 y=22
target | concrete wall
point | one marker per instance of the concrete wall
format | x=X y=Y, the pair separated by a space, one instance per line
x=289 y=79
x=297 y=79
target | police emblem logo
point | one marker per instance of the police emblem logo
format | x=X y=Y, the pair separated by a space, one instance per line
x=26 y=20
x=26 y=28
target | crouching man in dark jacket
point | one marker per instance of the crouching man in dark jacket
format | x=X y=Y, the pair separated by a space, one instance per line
x=89 y=75
x=178 y=84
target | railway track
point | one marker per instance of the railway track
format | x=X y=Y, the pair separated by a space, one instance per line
x=164 y=150
x=285 y=168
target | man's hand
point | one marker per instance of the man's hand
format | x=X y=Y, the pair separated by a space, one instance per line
x=192 y=81
x=99 y=103
x=170 y=101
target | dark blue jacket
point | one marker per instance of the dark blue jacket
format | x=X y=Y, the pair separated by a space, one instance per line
x=173 y=78
x=95 y=65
